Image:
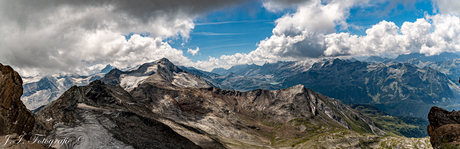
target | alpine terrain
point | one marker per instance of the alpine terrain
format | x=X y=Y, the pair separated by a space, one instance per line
x=39 y=91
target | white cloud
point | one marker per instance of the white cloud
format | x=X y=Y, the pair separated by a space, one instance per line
x=298 y=35
x=193 y=52
x=210 y=64
x=70 y=36
x=310 y=33
x=73 y=36
x=445 y=36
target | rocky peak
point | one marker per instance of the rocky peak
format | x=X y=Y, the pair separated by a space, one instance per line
x=164 y=61
x=299 y=88
x=14 y=117
x=168 y=66
x=107 y=69
x=444 y=128
x=161 y=72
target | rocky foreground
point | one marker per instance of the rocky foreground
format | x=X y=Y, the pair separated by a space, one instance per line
x=16 y=122
x=444 y=128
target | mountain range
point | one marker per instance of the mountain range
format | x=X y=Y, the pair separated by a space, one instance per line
x=444 y=56
x=397 y=88
x=391 y=85
x=149 y=113
x=39 y=91
x=283 y=104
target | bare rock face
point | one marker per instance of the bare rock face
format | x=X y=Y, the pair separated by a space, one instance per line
x=444 y=128
x=104 y=116
x=14 y=117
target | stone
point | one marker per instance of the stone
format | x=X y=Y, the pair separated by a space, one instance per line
x=14 y=116
x=444 y=128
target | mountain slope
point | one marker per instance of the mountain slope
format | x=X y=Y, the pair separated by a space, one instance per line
x=396 y=88
x=295 y=117
x=41 y=90
x=393 y=86
x=258 y=118
x=104 y=116
x=399 y=125
x=251 y=77
x=451 y=68
x=161 y=72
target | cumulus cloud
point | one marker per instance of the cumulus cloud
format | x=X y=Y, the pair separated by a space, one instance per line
x=193 y=52
x=299 y=35
x=73 y=36
x=431 y=35
x=210 y=64
x=310 y=32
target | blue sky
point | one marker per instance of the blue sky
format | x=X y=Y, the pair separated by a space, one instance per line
x=238 y=30
x=67 y=36
x=234 y=30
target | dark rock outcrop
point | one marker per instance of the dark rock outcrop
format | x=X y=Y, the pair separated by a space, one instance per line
x=14 y=117
x=444 y=128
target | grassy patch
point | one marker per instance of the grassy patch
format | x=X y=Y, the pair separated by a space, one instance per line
x=399 y=125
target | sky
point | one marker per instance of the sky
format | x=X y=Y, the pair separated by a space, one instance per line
x=65 y=36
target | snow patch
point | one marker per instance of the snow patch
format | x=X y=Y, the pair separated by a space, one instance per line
x=184 y=80
x=151 y=69
x=37 y=99
x=80 y=80
x=30 y=79
x=130 y=82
